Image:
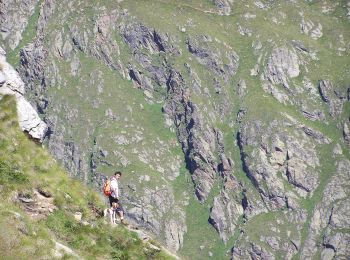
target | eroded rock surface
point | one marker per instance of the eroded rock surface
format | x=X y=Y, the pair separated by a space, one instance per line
x=14 y=18
x=331 y=217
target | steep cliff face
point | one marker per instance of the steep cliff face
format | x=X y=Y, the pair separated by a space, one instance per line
x=230 y=120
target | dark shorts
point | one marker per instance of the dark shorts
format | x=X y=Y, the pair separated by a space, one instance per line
x=112 y=199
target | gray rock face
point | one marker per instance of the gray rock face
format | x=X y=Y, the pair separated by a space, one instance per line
x=316 y=115
x=12 y=84
x=279 y=77
x=139 y=36
x=241 y=89
x=212 y=58
x=174 y=233
x=296 y=173
x=254 y=252
x=146 y=215
x=325 y=88
x=331 y=214
x=195 y=139
x=33 y=59
x=224 y=6
x=309 y=28
x=225 y=213
x=332 y=97
x=336 y=244
x=295 y=158
x=264 y=245
x=346 y=133
x=14 y=18
x=282 y=65
x=316 y=135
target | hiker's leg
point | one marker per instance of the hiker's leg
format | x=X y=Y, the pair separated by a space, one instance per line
x=120 y=211
x=121 y=215
x=111 y=200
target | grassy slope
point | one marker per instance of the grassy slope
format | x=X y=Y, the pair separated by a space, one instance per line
x=25 y=166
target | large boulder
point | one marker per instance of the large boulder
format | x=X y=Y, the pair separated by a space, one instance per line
x=12 y=84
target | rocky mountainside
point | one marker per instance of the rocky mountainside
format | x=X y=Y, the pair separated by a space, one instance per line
x=47 y=215
x=229 y=119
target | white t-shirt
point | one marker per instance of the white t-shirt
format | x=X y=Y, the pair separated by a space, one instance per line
x=114 y=188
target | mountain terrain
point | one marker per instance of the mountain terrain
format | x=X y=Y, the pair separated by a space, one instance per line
x=230 y=120
x=45 y=214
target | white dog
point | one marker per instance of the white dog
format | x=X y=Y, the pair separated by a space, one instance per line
x=112 y=213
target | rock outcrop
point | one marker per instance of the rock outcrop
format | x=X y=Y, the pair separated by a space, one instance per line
x=212 y=58
x=14 y=18
x=225 y=213
x=196 y=140
x=331 y=217
x=282 y=65
x=309 y=28
x=224 y=6
x=12 y=84
x=332 y=97
x=276 y=153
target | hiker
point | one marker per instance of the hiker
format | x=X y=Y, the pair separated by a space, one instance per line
x=114 y=197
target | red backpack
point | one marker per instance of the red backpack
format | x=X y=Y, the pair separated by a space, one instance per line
x=107 y=188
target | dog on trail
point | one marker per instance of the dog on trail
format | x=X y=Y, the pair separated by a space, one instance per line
x=111 y=213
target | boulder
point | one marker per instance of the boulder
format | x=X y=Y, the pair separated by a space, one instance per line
x=224 y=215
x=223 y=6
x=282 y=65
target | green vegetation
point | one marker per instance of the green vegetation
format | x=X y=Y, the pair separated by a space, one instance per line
x=26 y=167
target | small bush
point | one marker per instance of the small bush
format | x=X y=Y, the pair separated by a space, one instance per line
x=119 y=254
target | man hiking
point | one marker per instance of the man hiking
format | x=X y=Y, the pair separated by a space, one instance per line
x=114 y=197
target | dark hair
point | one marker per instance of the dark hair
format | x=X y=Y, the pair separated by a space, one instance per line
x=117 y=172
